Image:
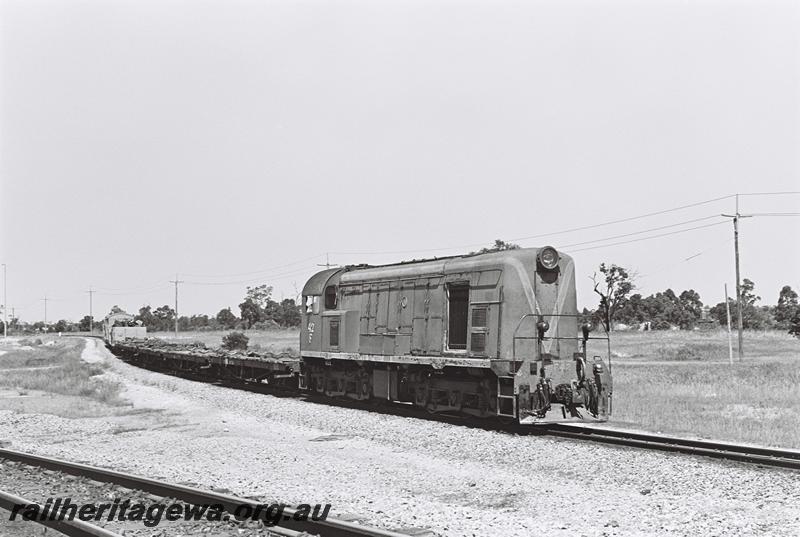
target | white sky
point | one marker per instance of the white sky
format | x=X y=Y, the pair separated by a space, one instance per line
x=144 y=138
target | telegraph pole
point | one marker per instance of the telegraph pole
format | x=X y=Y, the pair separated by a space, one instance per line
x=176 y=281
x=728 y=317
x=5 y=305
x=91 y=319
x=736 y=218
x=45 y=310
x=327 y=263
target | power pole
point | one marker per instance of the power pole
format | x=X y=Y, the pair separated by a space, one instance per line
x=736 y=218
x=45 y=310
x=91 y=318
x=176 y=281
x=728 y=316
x=5 y=305
x=327 y=262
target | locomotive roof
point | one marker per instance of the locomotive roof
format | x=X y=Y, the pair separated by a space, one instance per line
x=420 y=267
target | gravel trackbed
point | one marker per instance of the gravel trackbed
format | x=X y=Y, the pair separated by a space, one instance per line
x=416 y=476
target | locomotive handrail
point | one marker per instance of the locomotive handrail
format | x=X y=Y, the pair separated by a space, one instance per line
x=514 y=337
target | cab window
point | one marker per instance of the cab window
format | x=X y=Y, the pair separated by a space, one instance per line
x=311 y=304
x=330 y=297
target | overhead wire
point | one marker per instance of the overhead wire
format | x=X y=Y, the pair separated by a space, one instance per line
x=648 y=238
x=254 y=271
x=772 y=214
x=642 y=231
x=256 y=280
x=553 y=233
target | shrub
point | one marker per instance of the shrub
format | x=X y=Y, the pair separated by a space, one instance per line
x=235 y=341
x=794 y=329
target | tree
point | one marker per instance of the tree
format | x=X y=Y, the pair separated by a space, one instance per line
x=226 y=318
x=753 y=316
x=164 y=318
x=199 y=321
x=794 y=328
x=787 y=308
x=184 y=323
x=617 y=284
x=147 y=318
x=633 y=310
x=256 y=304
x=85 y=324
x=690 y=309
x=289 y=313
x=749 y=298
x=250 y=312
x=719 y=313
x=259 y=295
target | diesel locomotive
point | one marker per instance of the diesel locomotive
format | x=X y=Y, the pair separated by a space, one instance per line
x=489 y=335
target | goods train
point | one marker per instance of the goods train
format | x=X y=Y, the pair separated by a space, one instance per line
x=491 y=335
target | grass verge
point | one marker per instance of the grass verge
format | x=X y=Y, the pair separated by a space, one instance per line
x=58 y=369
x=683 y=383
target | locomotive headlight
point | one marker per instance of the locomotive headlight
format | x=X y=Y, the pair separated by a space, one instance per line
x=548 y=257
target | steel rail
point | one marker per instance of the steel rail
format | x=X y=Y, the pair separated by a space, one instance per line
x=330 y=527
x=73 y=528
x=784 y=458
x=713 y=449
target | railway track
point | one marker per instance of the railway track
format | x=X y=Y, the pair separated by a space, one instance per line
x=73 y=528
x=720 y=450
x=329 y=527
x=783 y=458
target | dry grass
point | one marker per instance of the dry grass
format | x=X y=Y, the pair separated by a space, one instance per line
x=704 y=345
x=58 y=370
x=275 y=341
x=682 y=383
